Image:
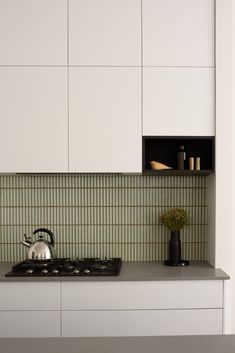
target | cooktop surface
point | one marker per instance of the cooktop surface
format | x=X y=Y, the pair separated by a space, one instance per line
x=67 y=267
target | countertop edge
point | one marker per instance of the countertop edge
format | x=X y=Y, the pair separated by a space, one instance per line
x=133 y=271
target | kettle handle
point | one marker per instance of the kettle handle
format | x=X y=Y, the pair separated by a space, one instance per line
x=52 y=237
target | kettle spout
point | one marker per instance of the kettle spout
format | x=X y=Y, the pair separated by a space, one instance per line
x=27 y=242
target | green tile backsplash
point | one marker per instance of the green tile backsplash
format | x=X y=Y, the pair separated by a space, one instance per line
x=101 y=214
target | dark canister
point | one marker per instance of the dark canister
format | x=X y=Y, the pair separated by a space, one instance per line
x=181 y=157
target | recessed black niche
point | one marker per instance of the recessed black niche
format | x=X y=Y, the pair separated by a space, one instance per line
x=164 y=149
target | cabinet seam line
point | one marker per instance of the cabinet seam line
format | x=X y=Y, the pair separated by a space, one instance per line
x=138 y=309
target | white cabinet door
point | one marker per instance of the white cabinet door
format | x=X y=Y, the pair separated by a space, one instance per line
x=30 y=309
x=178 y=32
x=151 y=295
x=29 y=296
x=33 y=32
x=29 y=323
x=141 y=323
x=105 y=32
x=105 y=120
x=33 y=119
x=178 y=101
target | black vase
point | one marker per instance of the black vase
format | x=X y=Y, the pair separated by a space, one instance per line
x=175 y=251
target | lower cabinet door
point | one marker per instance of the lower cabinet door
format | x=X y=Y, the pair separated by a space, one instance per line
x=29 y=324
x=141 y=323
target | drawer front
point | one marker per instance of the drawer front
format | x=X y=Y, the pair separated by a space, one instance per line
x=141 y=323
x=29 y=323
x=29 y=296
x=142 y=295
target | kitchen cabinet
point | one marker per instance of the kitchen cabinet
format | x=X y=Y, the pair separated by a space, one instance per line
x=70 y=308
x=33 y=32
x=178 y=33
x=105 y=32
x=29 y=309
x=178 y=101
x=160 y=308
x=34 y=120
x=178 y=73
x=105 y=119
x=97 y=55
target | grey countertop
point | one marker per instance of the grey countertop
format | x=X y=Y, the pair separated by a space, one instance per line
x=177 y=344
x=135 y=271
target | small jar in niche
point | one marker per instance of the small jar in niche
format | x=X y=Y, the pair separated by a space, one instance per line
x=191 y=163
x=198 y=167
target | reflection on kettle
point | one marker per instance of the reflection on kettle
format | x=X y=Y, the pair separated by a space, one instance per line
x=40 y=249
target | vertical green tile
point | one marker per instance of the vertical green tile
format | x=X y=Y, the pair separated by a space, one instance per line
x=101 y=215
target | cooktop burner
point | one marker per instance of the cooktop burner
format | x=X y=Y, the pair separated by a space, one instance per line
x=67 y=267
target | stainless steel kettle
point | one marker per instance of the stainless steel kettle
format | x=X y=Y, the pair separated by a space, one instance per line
x=40 y=249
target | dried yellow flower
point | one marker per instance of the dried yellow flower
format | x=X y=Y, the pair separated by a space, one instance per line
x=174 y=219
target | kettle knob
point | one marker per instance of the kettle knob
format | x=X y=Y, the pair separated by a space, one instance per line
x=45 y=230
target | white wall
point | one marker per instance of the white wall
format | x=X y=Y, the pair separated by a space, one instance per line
x=225 y=164
x=233 y=173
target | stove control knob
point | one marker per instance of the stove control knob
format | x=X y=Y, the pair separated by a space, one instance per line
x=87 y=271
x=45 y=270
x=76 y=270
x=30 y=270
x=55 y=270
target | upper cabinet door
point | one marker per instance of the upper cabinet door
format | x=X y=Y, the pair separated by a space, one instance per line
x=105 y=32
x=105 y=119
x=178 y=101
x=33 y=32
x=33 y=119
x=178 y=32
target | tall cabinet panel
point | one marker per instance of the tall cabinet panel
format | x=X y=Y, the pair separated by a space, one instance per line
x=33 y=32
x=105 y=32
x=33 y=116
x=105 y=122
x=178 y=73
x=105 y=86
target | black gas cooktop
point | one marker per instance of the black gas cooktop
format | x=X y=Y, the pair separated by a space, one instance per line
x=67 y=267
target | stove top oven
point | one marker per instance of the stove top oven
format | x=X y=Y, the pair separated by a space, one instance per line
x=67 y=267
